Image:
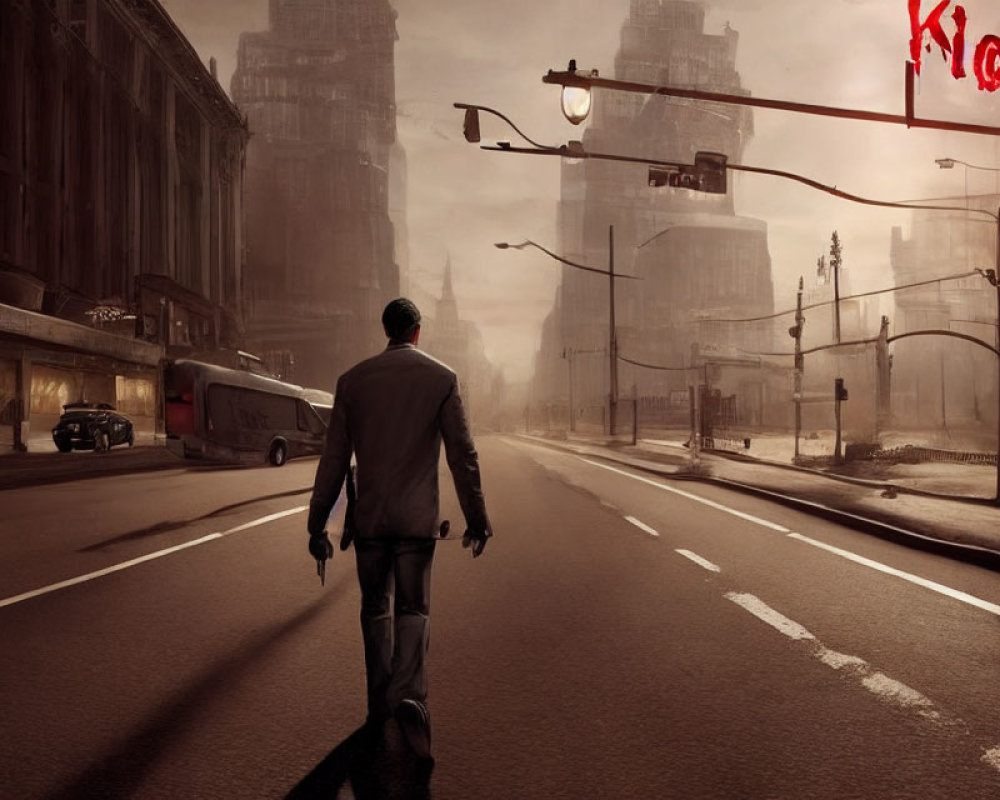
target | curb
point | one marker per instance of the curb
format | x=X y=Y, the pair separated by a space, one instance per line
x=25 y=474
x=968 y=553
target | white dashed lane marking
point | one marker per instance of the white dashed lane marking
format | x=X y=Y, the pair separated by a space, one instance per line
x=711 y=504
x=697 y=559
x=642 y=526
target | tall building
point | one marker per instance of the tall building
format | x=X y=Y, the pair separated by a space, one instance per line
x=318 y=88
x=943 y=382
x=696 y=261
x=121 y=220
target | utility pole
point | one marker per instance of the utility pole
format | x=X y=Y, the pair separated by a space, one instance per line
x=883 y=379
x=613 y=343
x=635 y=415
x=568 y=353
x=796 y=333
x=835 y=262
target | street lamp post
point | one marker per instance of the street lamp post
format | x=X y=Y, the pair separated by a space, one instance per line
x=612 y=336
x=613 y=343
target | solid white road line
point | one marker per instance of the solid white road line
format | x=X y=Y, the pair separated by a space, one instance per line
x=955 y=594
x=642 y=526
x=148 y=557
x=699 y=560
x=689 y=496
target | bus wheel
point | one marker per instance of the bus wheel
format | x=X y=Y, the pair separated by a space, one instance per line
x=278 y=454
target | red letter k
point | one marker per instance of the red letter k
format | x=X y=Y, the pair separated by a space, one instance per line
x=932 y=24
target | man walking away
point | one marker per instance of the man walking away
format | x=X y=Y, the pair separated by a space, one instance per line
x=393 y=411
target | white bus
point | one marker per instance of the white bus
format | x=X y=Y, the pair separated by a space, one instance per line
x=225 y=415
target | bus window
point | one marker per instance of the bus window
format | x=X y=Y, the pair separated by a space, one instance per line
x=309 y=420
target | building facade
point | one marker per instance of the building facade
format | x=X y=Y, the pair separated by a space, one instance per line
x=694 y=259
x=121 y=220
x=940 y=382
x=318 y=88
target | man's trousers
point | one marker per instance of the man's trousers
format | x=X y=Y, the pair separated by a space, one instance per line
x=396 y=630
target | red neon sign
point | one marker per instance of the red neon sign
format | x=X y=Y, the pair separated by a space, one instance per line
x=985 y=59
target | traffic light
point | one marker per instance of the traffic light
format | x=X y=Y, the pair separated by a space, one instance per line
x=707 y=174
x=840 y=389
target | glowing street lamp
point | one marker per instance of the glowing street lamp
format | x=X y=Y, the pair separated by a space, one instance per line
x=576 y=95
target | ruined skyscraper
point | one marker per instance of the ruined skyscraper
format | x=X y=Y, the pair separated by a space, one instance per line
x=318 y=89
x=697 y=260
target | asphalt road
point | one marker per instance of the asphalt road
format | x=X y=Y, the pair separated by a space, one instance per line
x=624 y=636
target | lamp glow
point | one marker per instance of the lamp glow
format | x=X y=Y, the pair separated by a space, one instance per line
x=576 y=103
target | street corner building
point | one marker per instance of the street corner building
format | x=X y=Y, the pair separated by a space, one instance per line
x=121 y=192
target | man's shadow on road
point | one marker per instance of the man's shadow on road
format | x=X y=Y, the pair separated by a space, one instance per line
x=380 y=770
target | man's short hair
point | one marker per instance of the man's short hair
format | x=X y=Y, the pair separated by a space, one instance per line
x=400 y=318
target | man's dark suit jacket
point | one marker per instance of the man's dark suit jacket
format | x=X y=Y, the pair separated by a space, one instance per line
x=393 y=411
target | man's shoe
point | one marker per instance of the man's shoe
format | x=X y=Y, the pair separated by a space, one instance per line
x=415 y=723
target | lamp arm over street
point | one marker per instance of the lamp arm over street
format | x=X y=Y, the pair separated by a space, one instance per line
x=584 y=79
x=522 y=245
x=575 y=152
x=948 y=163
x=495 y=113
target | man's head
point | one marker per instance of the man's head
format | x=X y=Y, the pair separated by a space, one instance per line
x=401 y=321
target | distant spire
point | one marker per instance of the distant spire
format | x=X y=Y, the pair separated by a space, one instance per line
x=447 y=292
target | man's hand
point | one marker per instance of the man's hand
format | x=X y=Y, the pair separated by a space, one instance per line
x=476 y=540
x=320 y=547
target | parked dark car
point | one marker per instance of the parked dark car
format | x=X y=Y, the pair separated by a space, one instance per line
x=92 y=426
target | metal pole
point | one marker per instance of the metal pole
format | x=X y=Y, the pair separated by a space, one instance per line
x=572 y=416
x=635 y=415
x=613 y=344
x=838 y=384
x=694 y=441
x=996 y=285
x=799 y=322
x=836 y=301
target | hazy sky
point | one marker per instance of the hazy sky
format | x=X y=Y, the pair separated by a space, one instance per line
x=848 y=53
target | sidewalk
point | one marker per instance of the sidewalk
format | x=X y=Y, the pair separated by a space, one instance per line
x=907 y=503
